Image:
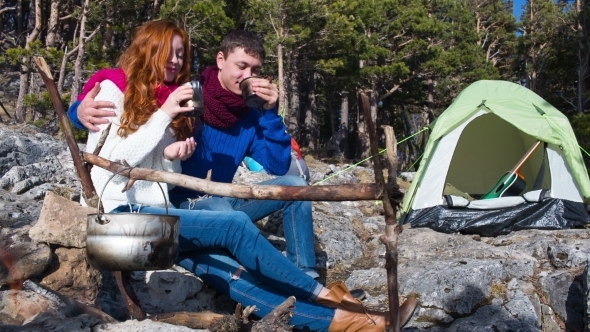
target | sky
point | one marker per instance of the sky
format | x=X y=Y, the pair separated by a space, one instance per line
x=518 y=8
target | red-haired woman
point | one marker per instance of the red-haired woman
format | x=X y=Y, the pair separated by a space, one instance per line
x=223 y=247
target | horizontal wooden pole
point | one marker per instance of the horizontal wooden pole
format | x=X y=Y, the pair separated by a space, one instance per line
x=345 y=192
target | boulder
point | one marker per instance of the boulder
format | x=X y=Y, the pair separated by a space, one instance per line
x=62 y=222
x=72 y=276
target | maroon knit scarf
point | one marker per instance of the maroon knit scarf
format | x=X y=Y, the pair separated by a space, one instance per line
x=223 y=108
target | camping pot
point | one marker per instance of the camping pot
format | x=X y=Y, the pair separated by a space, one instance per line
x=132 y=241
x=251 y=99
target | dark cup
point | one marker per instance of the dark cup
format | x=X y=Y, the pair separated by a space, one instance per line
x=197 y=101
x=251 y=99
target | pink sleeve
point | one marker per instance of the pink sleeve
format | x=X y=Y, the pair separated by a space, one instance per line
x=115 y=75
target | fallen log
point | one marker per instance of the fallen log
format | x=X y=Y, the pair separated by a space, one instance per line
x=278 y=319
x=194 y=320
x=345 y=192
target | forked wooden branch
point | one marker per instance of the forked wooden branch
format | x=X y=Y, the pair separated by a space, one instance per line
x=88 y=190
x=348 y=192
x=389 y=238
x=87 y=187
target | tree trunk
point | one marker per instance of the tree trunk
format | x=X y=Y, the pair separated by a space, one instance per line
x=78 y=64
x=583 y=59
x=107 y=36
x=52 y=28
x=295 y=104
x=156 y=9
x=283 y=107
x=344 y=145
x=35 y=14
x=311 y=117
x=19 y=18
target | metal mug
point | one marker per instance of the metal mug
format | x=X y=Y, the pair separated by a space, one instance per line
x=197 y=101
x=251 y=99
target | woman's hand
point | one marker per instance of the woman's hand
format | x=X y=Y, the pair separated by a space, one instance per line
x=180 y=150
x=172 y=105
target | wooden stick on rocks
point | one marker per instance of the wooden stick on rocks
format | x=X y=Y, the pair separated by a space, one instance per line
x=88 y=190
x=87 y=187
x=392 y=228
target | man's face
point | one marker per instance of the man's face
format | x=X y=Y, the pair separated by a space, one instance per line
x=235 y=67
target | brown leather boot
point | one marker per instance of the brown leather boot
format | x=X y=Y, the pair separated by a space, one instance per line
x=338 y=293
x=346 y=320
x=351 y=314
x=349 y=321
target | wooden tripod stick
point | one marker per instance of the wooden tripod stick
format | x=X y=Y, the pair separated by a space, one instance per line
x=87 y=186
x=392 y=229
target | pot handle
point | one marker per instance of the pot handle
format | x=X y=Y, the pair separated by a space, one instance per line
x=100 y=206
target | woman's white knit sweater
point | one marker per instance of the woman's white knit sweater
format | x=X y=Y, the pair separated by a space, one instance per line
x=144 y=148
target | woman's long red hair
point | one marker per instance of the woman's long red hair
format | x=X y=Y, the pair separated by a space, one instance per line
x=144 y=64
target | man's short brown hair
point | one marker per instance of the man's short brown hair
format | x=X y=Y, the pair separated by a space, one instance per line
x=247 y=40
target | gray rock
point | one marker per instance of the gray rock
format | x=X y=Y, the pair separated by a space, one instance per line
x=491 y=318
x=61 y=222
x=26 y=153
x=455 y=286
x=586 y=285
x=549 y=323
x=566 y=257
x=407 y=176
x=24 y=185
x=463 y=282
x=520 y=306
x=168 y=291
x=336 y=235
x=19 y=307
x=22 y=260
x=17 y=212
x=564 y=293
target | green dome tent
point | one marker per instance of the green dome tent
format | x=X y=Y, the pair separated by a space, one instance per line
x=481 y=136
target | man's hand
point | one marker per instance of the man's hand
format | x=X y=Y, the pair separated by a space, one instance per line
x=180 y=150
x=266 y=90
x=92 y=113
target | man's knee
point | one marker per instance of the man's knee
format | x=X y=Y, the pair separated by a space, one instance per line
x=293 y=180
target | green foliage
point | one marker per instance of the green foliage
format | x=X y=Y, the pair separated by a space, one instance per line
x=79 y=134
x=40 y=122
x=16 y=55
x=581 y=125
x=41 y=101
x=428 y=50
x=205 y=21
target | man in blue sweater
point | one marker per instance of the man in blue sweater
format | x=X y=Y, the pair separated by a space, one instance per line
x=230 y=132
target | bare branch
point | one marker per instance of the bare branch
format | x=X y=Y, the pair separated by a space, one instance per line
x=6 y=9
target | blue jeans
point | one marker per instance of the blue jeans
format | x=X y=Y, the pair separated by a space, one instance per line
x=297 y=219
x=221 y=272
x=216 y=245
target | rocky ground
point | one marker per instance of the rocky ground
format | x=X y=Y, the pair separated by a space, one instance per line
x=523 y=281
